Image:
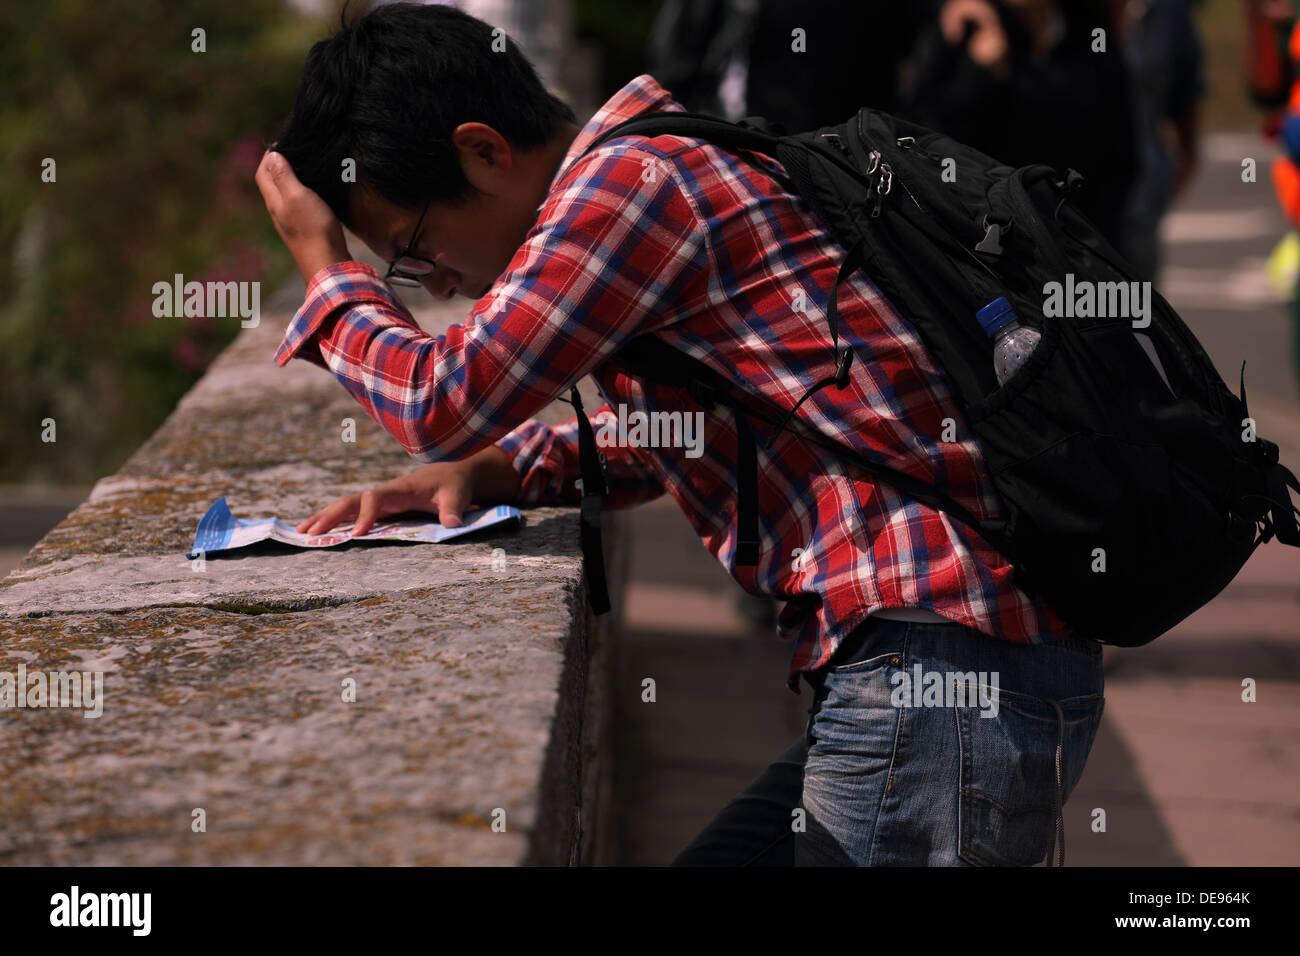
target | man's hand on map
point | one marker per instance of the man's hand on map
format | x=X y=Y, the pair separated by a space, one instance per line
x=446 y=488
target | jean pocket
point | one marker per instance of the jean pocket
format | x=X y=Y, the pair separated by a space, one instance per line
x=869 y=664
x=1007 y=811
x=877 y=641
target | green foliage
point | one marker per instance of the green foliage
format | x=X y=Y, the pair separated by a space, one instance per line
x=155 y=146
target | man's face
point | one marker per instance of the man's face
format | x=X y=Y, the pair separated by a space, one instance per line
x=471 y=243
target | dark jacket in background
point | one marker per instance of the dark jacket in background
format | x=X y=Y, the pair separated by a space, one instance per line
x=853 y=51
x=1070 y=108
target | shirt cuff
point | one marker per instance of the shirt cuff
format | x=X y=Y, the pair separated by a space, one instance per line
x=335 y=286
x=536 y=456
x=513 y=443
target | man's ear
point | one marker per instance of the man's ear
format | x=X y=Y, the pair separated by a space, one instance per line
x=485 y=154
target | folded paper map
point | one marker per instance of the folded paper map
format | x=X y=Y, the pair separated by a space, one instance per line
x=219 y=530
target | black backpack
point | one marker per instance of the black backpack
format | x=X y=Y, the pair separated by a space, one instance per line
x=1086 y=445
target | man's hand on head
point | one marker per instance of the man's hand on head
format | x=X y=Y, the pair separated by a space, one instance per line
x=307 y=225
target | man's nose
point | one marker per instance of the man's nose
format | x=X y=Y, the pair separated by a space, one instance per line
x=442 y=282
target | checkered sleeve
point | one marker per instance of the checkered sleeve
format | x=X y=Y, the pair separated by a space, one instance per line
x=615 y=244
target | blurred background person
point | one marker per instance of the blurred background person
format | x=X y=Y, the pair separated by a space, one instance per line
x=1020 y=80
x=1167 y=71
x=738 y=58
x=1268 y=61
x=1273 y=44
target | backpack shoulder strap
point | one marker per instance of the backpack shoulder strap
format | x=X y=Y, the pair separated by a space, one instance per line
x=653 y=360
x=753 y=134
x=747 y=134
x=594 y=487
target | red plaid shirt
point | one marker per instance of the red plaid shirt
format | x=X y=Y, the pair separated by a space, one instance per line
x=674 y=237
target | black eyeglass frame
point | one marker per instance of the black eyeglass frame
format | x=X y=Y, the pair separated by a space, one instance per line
x=405 y=277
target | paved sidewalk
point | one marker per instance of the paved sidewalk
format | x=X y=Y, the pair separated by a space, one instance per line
x=721 y=712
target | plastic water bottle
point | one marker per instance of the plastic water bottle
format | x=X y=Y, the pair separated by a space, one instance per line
x=1013 y=343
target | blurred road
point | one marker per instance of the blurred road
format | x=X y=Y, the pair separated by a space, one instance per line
x=1216 y=245
x=1186 y=773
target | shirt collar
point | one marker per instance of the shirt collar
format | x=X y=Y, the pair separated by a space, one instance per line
x=639 y=96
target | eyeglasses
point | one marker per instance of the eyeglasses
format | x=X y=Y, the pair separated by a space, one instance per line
x=406 y=269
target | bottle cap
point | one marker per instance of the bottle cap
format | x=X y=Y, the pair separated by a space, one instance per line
x=995 y=315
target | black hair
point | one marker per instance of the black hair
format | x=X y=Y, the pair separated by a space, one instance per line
x=388 y=91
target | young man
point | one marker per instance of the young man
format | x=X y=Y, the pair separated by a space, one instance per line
x=469 y=176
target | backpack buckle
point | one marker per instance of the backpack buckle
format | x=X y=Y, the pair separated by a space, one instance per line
x=604 y=480
x=1072 y=181
x=992 y=241
x=993 y=230
x=842 y=366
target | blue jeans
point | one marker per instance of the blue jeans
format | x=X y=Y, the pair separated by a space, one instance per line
x=926 y=745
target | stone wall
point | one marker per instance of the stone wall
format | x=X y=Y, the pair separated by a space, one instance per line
x=477 y=691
